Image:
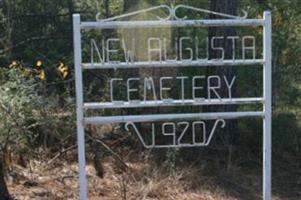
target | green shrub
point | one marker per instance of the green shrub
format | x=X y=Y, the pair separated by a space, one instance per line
x=29 y=117
x=19 y=102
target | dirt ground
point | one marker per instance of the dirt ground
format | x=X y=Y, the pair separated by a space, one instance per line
x=145 y=181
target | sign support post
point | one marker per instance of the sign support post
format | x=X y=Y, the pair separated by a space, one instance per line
x=267 y=106
x=79 y=107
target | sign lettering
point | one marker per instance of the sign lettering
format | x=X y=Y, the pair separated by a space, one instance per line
x=157 y=48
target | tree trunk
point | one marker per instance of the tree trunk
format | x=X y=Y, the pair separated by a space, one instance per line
x=4 y=194
x=131 y=6
x=107 y=8
x=71 y=11
x=229 y=7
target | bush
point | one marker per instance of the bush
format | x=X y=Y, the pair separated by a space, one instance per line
x=28 y=117
x=19 y=103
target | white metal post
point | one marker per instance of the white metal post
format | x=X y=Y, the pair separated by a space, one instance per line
x=267 y=94
x=79 y=107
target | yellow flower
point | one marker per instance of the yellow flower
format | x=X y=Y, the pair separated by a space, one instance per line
x=39 y=63
x=41 y=74
x=63 y=70
x=14 y=64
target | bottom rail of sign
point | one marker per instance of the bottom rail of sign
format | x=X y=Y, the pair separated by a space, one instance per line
x=162 y=117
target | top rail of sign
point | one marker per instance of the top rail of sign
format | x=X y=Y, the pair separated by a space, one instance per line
x=171 y=20
x=166 y=24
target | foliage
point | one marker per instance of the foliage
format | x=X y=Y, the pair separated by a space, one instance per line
x=28 y=119
x=20 y=104
x=38 y=110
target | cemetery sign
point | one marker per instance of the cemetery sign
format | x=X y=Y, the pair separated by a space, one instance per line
x=147 y=51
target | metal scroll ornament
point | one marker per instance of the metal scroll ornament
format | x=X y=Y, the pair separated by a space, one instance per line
x=171 y=13
x=177 y=140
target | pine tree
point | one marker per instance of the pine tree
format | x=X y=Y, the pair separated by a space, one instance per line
x=228 y=7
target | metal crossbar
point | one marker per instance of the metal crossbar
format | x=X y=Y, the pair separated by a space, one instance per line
x=160 y=117
x=160 y=103
x=169 y=24
x=157 y=64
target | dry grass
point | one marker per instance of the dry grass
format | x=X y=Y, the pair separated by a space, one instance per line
x=144 y=180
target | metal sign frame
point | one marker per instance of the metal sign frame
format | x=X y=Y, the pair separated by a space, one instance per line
x=172 y=20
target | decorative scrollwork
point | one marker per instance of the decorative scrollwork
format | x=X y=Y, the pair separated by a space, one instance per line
x=177 y=141
x=223 y=124
x=137 y=13
x=245 y=14
x=127 y=128
x=172 y=13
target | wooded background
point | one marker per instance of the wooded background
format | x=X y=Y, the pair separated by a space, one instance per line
x=39 y=113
